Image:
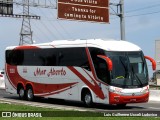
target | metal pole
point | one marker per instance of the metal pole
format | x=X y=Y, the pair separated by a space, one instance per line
x=122 y=21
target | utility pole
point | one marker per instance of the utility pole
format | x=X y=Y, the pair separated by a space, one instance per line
x=122 y=20
x=120 y=14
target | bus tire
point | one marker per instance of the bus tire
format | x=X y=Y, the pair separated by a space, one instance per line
x=29 y=93
x=21 y=92
x=87 y=98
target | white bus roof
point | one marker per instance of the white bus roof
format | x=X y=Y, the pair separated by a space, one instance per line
x=109 y=45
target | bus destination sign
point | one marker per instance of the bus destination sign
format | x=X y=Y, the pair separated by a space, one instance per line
x=84 y=10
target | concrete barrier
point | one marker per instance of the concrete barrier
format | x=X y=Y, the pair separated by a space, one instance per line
x=154 y=95
x=2 y=84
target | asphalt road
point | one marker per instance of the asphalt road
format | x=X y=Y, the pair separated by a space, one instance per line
x=70 y=105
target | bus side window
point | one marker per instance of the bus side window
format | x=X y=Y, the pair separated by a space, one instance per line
x=60 y=57
x=50 y=57
x=100 y=65
x=15 y=57
x=73 y=57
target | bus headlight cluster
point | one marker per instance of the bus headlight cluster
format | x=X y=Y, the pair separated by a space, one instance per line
x=145 y=90
x=116 y=90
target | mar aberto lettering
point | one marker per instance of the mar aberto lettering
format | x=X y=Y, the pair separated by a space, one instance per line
x=51 y=72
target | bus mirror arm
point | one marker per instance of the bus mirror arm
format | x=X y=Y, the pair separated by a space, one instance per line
x=108 y=61
x=152 y=61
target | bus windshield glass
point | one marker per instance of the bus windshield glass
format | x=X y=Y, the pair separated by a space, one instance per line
x=129 y=69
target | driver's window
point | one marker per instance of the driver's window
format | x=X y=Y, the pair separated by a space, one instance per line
x=119 y=67
x=100 y=64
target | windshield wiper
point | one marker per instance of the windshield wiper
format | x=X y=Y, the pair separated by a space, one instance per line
x=126 y=69
x=136 y=76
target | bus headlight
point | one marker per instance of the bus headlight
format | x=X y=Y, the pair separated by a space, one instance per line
x=116 y=90
x=145 y=90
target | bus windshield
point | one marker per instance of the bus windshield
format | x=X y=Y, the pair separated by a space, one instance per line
x=129 y=69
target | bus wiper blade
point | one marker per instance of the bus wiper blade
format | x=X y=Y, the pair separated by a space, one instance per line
x=137 y=77
x=126 y=69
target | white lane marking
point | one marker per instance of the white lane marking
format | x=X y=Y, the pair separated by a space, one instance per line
x=154 y=108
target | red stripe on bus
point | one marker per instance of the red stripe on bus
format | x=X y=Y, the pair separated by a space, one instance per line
x=26 y=47
x=38 y=88
x=95 y=88
x=47 y=94
x=7 y=75
x=90 y=63
x=92 y=67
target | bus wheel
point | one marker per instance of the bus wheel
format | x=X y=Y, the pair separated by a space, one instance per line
x=21 y=93
x=87 y=99
x=29 y=93
x=121 y=105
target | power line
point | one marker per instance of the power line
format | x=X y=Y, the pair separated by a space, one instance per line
x=143 y=14
x=62 y=27
x=39 y=29
x=139 y=9
x=115 y=13
x=37 y=3
x=45 y=26
x=48 y=29
x=52 y=25
x=143 y=8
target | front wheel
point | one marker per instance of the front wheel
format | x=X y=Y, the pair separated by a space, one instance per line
x=29 y=94
x=87 y=99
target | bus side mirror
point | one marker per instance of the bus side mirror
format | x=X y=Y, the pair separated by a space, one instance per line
x=152 y=61
x=108 y=61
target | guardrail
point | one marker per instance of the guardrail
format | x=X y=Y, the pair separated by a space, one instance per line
x=153 y=86
x=154 y=92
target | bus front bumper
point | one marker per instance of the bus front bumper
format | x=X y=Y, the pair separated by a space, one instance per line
x=124 y=99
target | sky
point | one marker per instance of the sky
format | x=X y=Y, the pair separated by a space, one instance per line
x=142 y=27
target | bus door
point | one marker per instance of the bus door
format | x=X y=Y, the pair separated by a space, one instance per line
x=101 y=69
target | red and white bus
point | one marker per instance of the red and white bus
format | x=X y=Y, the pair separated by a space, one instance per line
x=2 y=76
x=93 y=71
